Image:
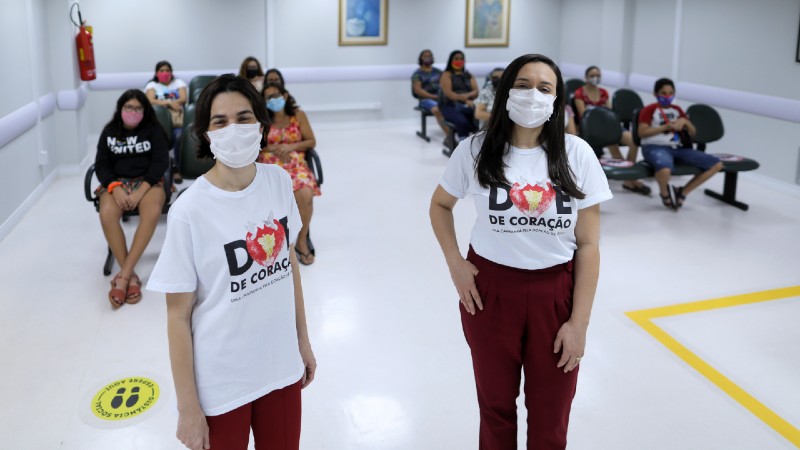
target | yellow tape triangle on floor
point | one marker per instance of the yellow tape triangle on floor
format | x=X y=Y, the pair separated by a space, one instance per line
x=644 y=319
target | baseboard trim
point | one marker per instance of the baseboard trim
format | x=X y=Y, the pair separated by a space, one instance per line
x=23 y=209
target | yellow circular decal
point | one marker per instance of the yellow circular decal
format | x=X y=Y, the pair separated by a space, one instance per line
x=125 y=399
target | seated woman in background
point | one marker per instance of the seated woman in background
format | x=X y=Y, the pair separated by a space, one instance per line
x=170 y=92
x=290 y=135
x=483 y=105
x=274 y=76
x=569 y=121
x=132 y=156
x=425 y=86
x=459 y=89
x=251 y=71
x=591 y=95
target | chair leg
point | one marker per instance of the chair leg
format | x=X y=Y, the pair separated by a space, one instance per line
x=423 y=126
x=109 y=263
x=450 y=142
x=729 y=192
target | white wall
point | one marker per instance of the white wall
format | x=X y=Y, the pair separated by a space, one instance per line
x=217 y=36
x=735 y=44
x=744 y=46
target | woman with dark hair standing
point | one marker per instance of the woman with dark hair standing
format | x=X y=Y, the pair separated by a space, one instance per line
x=289 y=137
x=170 y=92
x=528 y=282
x=459 y=89
x=132 y=156
x=251 y=71
x=238 y=340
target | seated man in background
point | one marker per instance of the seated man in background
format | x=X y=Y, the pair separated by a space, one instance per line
x=425 y=87
x=661 y=125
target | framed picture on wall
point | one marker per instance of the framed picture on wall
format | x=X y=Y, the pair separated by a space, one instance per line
x=487 y=23
x=363 y=22
x=797 y=53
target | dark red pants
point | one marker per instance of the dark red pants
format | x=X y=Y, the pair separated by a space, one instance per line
x=275 y=419
x=522 y=313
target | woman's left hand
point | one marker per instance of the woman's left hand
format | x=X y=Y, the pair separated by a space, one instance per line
x=571 y=342
x=310 y=364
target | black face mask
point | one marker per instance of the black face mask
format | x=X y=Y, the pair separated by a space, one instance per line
x=495 y=82
x=251 y=73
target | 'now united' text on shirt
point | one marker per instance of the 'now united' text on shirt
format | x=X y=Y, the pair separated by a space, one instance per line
x=129 y=145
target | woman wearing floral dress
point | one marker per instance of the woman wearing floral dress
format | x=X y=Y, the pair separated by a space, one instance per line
x=289 y=137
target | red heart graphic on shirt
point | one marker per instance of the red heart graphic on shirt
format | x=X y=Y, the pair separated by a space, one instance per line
x=532 y=200
x=265 y=244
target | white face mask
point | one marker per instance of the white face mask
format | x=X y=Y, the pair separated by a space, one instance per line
x=236 y=145
x=529 y=108
x=594 y=81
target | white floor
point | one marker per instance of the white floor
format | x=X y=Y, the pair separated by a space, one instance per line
x=394 y=370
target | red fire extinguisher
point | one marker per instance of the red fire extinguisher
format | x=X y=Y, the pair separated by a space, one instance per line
x=83 y=43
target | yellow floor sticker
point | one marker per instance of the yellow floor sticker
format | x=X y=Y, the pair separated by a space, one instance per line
x=644 y=318
x=125 y=398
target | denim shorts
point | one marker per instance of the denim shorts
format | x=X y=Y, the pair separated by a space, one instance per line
x=664 y=156
x=427 y=104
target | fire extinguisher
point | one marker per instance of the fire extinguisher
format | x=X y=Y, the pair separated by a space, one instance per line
x=83 y=43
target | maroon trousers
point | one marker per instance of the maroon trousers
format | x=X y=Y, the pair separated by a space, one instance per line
x=522 y=313
x=275 y=419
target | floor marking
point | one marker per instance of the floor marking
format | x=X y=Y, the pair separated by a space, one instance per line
x=644 y=318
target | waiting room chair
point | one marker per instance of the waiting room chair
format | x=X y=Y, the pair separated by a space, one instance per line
x=197 y=85
x=709 y=129
x=624 y=102
x=89 y=186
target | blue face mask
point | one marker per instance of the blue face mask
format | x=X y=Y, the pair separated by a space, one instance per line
x=664 y=100
x=276 y=104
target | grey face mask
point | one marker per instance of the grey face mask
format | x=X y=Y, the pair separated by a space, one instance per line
x=594 y=81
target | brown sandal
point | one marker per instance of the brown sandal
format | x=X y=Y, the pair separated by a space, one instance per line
x=134 y=293
x=116 y=296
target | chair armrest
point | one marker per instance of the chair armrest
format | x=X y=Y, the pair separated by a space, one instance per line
x=87 y=185
x=312 y=159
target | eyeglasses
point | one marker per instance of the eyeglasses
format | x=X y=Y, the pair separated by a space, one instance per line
x=133 y=109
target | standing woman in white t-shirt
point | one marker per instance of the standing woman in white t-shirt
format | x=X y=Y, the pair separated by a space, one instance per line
x=237 y=331
x=529 y=279
x=170 y=92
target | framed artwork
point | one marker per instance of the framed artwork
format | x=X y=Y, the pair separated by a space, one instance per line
x=487 y=23
x=797 y=55
x=363 y=22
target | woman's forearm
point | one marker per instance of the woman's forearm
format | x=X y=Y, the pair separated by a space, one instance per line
x=445 y=231
x=587 y=271
x=181 y=355
x=299 y=302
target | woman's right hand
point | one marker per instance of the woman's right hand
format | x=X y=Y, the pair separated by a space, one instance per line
x=121 y=198
x=463 y=274
x=193 y=430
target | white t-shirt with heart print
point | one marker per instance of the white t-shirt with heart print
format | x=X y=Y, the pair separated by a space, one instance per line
x=232 y=250
x=531 y=223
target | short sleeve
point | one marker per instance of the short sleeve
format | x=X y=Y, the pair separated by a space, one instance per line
x=175 y=269
x=591 y=180
x=179 y=83
x=578 y=94
x=646 y=114
x=295 y=222
x=483 y=97
x=149 y=85
x=415 y=76
x=459 y=171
